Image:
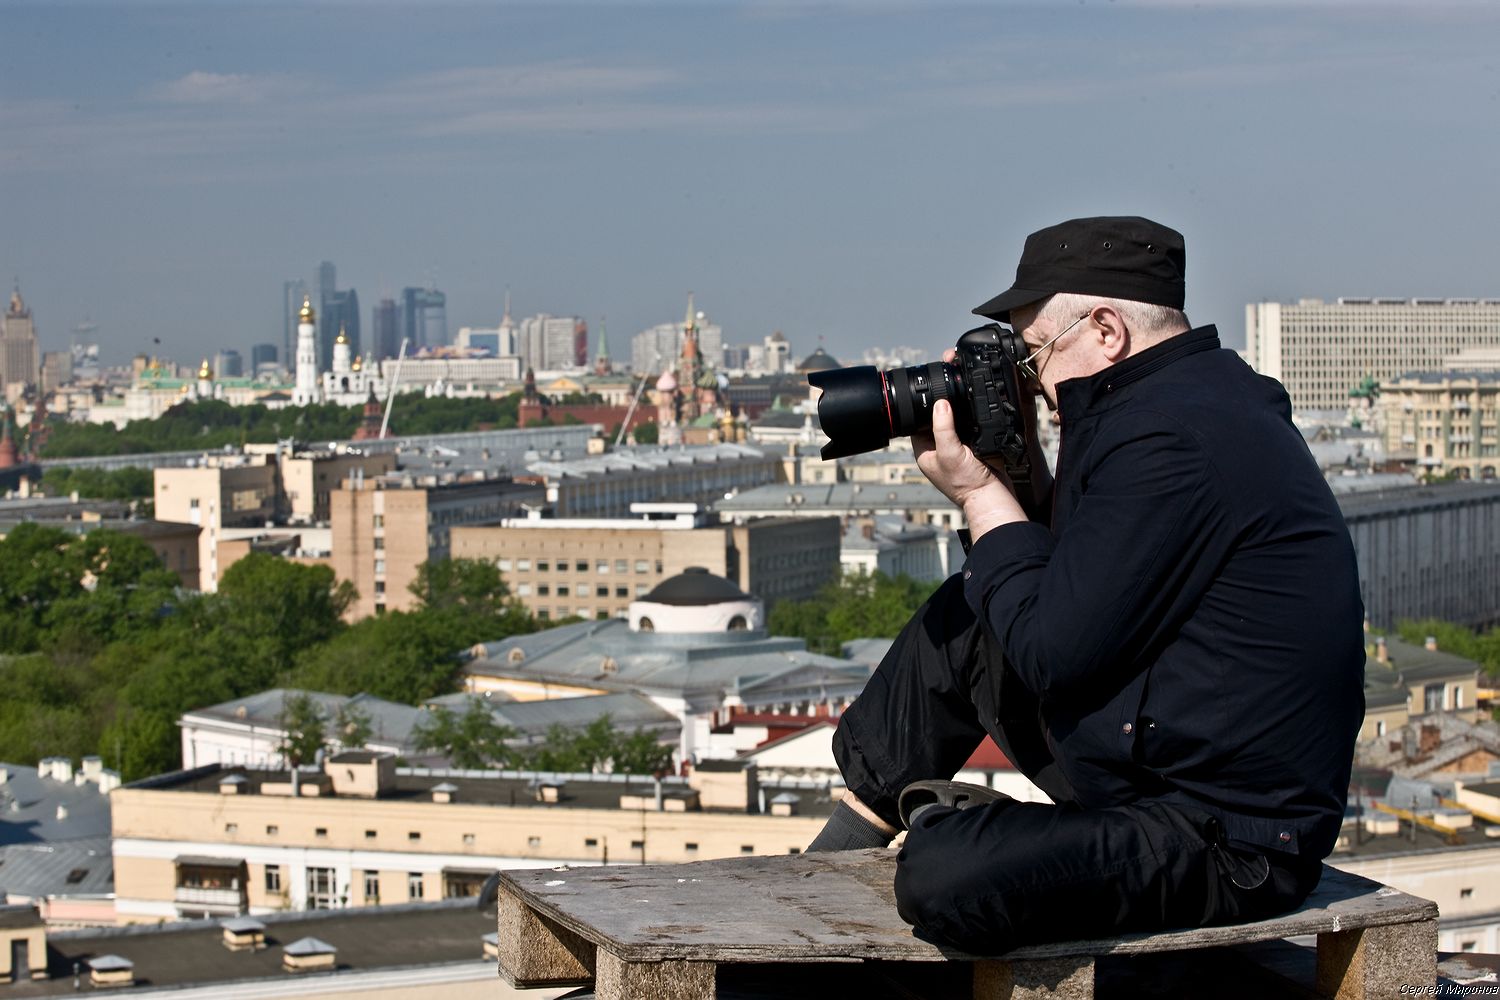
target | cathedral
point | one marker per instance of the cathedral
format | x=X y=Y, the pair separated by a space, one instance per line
x=347 y=383
x=692 y=403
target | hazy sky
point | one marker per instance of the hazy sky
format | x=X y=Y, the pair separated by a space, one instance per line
x=864 y=173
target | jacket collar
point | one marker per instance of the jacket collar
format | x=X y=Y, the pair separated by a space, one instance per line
x=1077 y=396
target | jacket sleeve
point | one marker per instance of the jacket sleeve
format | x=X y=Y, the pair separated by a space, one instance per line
x=1132 y=560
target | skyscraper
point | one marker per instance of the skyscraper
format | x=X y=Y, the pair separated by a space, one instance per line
x=292 y=294
x=385 y=329
x=18 y=358
x=340 y=313
x=262 y=356
x=229 y=364
x=424 y=317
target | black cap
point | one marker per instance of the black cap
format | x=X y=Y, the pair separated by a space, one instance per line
x=1119 y=257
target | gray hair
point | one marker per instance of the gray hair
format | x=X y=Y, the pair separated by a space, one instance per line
x=1152 y=321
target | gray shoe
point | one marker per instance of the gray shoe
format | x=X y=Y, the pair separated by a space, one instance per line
x=920 y=796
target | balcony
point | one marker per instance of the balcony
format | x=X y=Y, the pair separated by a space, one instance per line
x=231 y=899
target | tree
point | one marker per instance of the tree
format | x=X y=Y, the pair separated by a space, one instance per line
x=647 y=433
x=472 y=585
x=269 y=610
x=599 y=747
x=856 y=606
x=641 y=753
x=351 y=726
x=401 y=656
x=471 y=741
x=305 y=729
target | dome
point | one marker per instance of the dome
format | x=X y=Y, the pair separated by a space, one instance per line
x=667 y=382
x=817 y=361
x=695 y=586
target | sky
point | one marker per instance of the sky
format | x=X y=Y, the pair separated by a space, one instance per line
x=854 y=175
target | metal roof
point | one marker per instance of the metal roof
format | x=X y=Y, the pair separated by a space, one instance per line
x=29 y=808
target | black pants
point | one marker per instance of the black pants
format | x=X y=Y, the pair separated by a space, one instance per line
x=990 y=878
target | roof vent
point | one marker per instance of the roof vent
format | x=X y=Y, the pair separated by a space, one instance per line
x=111 y=970
x=609 y=666
x=516 y=654
x=309 y=955
x=445 y=792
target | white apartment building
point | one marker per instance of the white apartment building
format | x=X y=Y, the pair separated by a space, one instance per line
x=1320 y=350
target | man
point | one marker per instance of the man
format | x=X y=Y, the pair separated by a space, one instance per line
x=1170 y=646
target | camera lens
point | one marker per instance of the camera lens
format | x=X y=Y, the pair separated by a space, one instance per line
x=853 y=409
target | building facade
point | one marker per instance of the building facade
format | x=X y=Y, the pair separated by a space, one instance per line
x=1446 y=422
x=606 y=485
x=1321 y=350
x=216 y=841
x=1428 y=552
x=224 y=492
x=384 y=529
x=595 y=568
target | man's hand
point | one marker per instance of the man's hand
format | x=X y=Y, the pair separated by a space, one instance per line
x=983 y=492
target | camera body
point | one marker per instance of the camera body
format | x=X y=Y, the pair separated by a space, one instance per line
x=862 y=408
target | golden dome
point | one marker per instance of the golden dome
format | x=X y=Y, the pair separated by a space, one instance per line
x=205 y=373
x=343 y=337
x=305 y=314
x=358 y=364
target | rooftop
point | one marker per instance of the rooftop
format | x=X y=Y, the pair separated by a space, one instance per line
x=367 y=939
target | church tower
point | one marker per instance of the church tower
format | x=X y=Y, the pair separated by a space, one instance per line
x=306 y=392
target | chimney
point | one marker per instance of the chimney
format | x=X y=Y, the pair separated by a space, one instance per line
x=1430 y=739
x=1431 y=644
x=1382 y=655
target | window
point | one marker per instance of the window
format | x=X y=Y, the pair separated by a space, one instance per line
x=543 y=565
x=747 y=848
x=414 y=885
x=1465 y=893
x=1432 y=698
x=380 y=520
x=794 y=850
x=641 y=590
x=231 y=828
x=273 y=878
x=533 y=841
x=543 y=589
x=543 y=614
x=320 y=889
x=690 y=847
x=414 y=836
x=622 y=591
x=523 y=565
x=272 y=829
x=622 y=565
x=637 y=845
x=321 y=833
x=503 y=565
x=372 y=887
x=590 y=841
x=581 y=566
x=601 y=567
x=369 y=834
x=523 y=590
x=642 y=566
x=379 y=543
x=380 y=565
x=562 y=590
x=584 y=590
x=468 y=840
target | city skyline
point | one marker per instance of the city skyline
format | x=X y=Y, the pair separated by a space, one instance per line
x=850 y=175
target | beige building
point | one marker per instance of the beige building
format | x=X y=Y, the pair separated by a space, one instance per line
x=1406 y=683
x=594 y=568
x=384 y=528
x=309 y=479
x=216 y=841
x=1320 y=350
x=223 y=492
x=1446 y=422
x=18 y=351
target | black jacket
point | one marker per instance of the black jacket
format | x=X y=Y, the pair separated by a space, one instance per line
x=1191 y=622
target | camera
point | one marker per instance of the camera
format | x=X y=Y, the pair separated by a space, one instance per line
x=862 y=408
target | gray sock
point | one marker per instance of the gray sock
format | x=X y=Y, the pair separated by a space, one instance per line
x=847 y=830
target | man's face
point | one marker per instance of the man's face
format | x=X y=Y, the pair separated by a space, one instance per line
x=1063 y=343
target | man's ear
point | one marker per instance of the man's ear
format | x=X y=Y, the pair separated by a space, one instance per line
x=1113 y=334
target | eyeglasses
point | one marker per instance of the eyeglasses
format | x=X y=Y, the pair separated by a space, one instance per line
x=1033 y=373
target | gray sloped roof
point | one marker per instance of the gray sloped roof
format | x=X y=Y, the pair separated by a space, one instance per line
x=653 y=662
x=391 y=722
x=82 y=867
x=29 y=802
x=626 y=710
